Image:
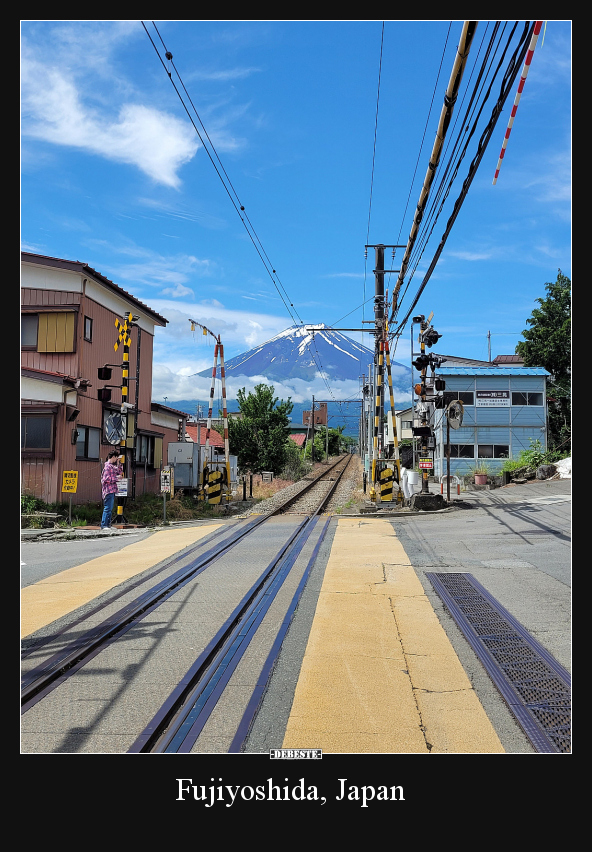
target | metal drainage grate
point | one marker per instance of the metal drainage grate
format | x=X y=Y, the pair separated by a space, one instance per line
x=536 y=688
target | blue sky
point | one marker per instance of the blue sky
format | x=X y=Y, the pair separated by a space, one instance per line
x=113 y=174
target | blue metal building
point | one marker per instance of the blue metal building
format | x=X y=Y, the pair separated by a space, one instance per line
x=504 y=409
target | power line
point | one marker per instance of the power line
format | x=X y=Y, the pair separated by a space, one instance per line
x=226 y=182
x=507 y=82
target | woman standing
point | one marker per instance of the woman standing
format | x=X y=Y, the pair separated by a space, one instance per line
x=109 y=476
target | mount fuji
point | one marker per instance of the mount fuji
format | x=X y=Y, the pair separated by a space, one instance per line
x=306 y=361
x=307 y=352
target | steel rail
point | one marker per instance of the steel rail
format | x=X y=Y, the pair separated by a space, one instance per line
x=181 y=719
x=37 y=645
x=41 y=680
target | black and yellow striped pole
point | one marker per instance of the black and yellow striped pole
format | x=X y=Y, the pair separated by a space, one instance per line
x=123 y=337
x=392 y=401
x=377 y=416
x=424 y=416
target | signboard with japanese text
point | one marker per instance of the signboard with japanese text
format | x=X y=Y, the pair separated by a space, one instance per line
x=69 y=481
x=122 y=487
x=167 y=481
x=492 y=399
x=426 y=464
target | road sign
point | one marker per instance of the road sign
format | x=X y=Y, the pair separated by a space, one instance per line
x=115 y=428
x=69 y=481
x=167 y=481
x=426 y=464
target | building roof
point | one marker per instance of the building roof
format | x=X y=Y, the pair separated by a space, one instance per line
x=299 y=438
x=50 y=376
x=456 y=359
x=157 y=406
x=216 y=439
x=492 y=370
x=84 y=268
x=508 y=359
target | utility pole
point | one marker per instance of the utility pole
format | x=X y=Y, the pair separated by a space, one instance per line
x=123 y=337
x=380 y=338
x=212 y=480
x=137 y=405
x=313 y=433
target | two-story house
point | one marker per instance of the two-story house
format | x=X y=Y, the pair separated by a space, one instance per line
x=68 y=332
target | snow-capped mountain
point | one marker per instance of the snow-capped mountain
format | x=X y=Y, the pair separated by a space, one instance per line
x=302 y=352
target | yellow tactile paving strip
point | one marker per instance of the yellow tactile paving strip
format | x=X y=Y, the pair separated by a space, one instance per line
x=62 y=593
x=379 y=673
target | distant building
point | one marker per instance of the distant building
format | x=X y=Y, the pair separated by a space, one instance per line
x=504 y=410
x=320 y=415
x=68 y=332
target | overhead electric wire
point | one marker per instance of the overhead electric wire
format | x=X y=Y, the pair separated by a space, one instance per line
x=449 y=158
x=450 y=96
x=373 y=164
x=228 y=186
x=509 y=77
x=424 y=132
x=432 y=216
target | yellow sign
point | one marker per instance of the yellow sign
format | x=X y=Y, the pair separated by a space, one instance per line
x=69 y=481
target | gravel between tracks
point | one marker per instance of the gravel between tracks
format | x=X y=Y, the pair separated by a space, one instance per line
x=347 y=490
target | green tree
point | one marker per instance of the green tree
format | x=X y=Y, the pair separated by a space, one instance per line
x=547 y=343
x=259 y=437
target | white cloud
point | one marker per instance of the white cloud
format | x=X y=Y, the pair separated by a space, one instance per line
x=54 y=111
x=177 y=292
x=151 y=269
x=175 y=385
x=471 y=255
x=239 y=330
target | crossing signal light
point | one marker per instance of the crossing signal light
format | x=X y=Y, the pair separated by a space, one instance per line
x=104 y=373
x=105 y=394
x=440 y=384
x=421 y=362
x=431 y=336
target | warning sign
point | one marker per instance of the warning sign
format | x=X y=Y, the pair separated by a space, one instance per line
x=426 y=464
x=166 y=481
x=69 y=481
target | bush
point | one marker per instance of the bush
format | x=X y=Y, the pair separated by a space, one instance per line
x=296 y=467
x=532 y=458
x=30 y=504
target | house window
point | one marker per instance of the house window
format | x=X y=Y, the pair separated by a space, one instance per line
x=48 y=332
x=37 y=433
x=493 y=451
x=88 y=442
x=526 y=398
x=466 y=397
x=88 y=325
x=462 y=451
x=149 y=450
x=29 y=325
x=145 y=450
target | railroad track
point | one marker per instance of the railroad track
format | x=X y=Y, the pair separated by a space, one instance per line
x=182 y=716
